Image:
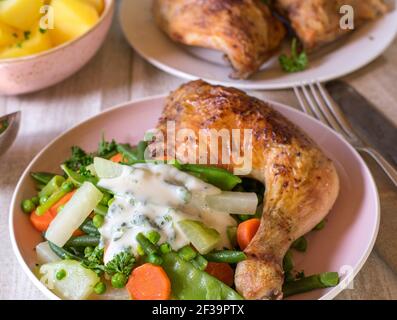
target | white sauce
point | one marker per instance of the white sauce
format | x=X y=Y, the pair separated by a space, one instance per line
x=155 y=197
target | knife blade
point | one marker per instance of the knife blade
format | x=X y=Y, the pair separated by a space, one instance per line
x=369 y=123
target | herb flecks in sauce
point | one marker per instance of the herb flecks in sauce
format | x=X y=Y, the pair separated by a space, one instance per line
x=155 y=197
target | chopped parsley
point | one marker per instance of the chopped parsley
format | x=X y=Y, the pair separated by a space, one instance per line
x=107 y=149
x=122 y=263
x=26 y=35
x=94 y=260
x=79 y=159
x=296 y=62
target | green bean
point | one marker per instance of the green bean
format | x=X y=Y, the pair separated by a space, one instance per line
x=218 y=177
x=77 y=178
x=53 y=185
x=318 y=281
x=53 y=199
x=42 y=177
x=89 y=228
x=130 y=154
x=199 y=262
x=146 y=245
x=154 y=258
x=300 y=244
x=153 y=236
x=105 y=199
x=228 y=256
x=165 y=248
x=62 y=253
x=187 y=253
x=83 y=241
x=189 y=283
x=101 y=210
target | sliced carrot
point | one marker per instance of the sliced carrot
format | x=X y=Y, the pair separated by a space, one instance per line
x=65 y=199
x=117 y=158
x=246 y=231
x=222 y=271
x=41 y=223
x=149 y=282
x=78 y=233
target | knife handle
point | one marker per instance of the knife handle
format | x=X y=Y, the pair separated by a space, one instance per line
x=386 y=166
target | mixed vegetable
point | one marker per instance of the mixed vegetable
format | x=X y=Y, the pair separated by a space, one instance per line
x=113 y=222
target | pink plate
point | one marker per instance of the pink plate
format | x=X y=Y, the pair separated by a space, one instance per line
x=343 y=245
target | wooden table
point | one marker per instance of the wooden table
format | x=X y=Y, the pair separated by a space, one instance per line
x=117 y=74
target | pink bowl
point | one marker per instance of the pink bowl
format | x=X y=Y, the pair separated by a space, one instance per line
x=42 y=70
x=343 y=245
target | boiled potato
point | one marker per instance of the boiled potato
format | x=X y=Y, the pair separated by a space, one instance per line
x=21 y=14
x=77 y=284
x=8 y=35
x=33 y=42
x=99 y=5
x=72 y=18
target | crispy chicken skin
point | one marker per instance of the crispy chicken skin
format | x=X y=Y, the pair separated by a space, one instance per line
x=245 y=30
x=317 y=22
x=301 y=182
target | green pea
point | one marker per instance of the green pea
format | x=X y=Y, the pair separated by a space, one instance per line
x=140 y=250
x=100 y=288
x=28 y=206
x=67 y=186
x=43 y=200
x=60 y=274
x=154 y=259
x=98 y=220
x=165 y=248
x=119 y=280
x=200 y=262
x=36 y=200
x=153 y=236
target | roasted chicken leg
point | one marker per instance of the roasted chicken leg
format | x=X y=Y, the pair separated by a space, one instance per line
x=301 y=182
x=317 y=22
x=245 y=30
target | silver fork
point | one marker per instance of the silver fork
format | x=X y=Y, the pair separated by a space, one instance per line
x=315 y=101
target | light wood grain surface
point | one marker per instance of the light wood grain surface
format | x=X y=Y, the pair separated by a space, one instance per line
x=116 y=75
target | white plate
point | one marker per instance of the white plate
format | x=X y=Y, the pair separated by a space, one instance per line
x=343 y=245
x=343 y=57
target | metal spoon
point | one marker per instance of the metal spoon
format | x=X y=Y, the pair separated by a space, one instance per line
x=9 y=126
